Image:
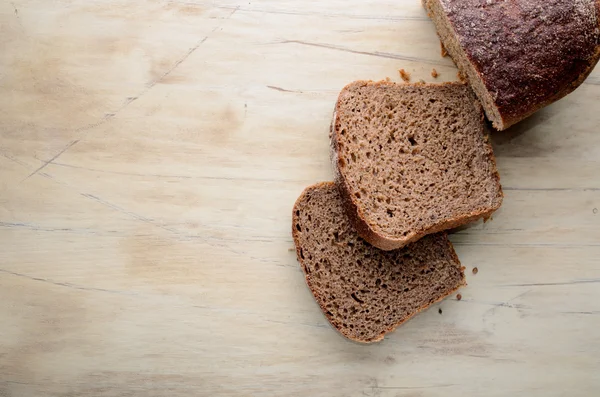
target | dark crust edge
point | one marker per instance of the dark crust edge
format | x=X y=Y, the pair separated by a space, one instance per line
x=379 y=337
x=512 y=115
x=508 y=121
x=357 y=219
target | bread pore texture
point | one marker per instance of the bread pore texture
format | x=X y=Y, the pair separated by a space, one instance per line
x=412 y=159
x=365 y=292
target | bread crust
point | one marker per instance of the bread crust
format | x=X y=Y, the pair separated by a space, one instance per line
x=557 y=46
x=330 y=319
x=357 y=218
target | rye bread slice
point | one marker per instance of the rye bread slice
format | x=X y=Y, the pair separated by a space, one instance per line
x=365 y=292
x=519 y=55
x=412 y=159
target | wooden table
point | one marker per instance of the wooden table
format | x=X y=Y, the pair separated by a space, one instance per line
x=150 y=155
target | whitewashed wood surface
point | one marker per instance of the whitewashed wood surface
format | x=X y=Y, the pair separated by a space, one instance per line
x=150 y=155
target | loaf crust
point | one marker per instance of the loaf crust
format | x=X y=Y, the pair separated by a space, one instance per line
x=526 y=53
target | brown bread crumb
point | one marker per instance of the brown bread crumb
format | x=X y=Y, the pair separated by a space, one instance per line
x=404 y=75
x=475 y=270
x=458 y=297
x=444 y=51
x=434 y=73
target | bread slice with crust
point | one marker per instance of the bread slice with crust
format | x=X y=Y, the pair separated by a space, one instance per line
x=365 y=292
x=519 y=55
x=412 y=159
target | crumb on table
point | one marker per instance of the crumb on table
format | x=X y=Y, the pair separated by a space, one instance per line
x=475 y=270
x=458 y=297
x=440 y=310
x=404 y=75
x=444 y=51
x=434 y=73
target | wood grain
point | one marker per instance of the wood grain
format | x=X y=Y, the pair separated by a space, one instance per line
x=150 y=155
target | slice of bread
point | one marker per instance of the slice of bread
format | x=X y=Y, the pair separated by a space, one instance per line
x=363 y=291
x=412 y=159
x=519 y=55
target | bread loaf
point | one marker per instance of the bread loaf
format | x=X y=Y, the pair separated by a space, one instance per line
x=519 y=55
